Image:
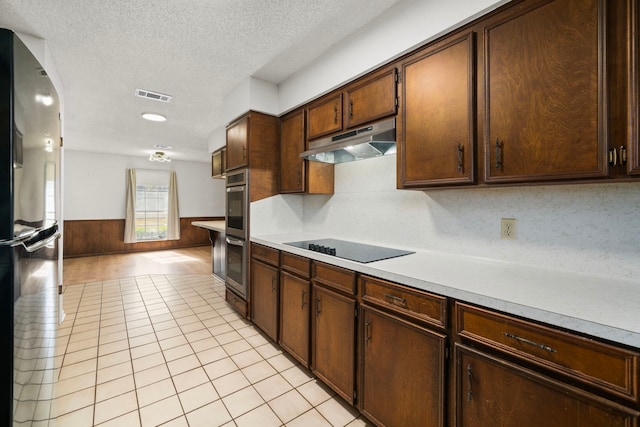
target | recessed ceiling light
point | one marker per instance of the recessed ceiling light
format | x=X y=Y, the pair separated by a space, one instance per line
x=44 y=99
x=154 y=117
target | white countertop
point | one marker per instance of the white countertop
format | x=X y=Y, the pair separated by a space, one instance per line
x=605 y=308
x=211 y=225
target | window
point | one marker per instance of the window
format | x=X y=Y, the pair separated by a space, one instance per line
x=151 y=212
x=152 y=205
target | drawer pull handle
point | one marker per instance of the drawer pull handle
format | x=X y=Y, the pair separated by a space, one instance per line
x=274 y=286
x=303 y=303
x=368 y=332
x=396 y=300
x=533 y=343
x=317 y=306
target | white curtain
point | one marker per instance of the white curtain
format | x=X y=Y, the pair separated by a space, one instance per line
x=173 y=220
x=130 y=216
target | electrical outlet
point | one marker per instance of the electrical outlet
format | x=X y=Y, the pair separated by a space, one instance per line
x=508 y=229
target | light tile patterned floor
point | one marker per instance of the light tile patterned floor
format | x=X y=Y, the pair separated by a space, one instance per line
x=168 y=350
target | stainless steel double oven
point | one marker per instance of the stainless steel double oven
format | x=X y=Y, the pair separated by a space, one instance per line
x=237 y=213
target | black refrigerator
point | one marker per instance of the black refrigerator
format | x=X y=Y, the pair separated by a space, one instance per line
x=30 y=153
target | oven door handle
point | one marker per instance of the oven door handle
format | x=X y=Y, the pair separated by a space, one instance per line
x=234 y=242
x=235 y=189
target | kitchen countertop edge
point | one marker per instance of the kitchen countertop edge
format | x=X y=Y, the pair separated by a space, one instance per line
x=593 y=306
x=218 y=225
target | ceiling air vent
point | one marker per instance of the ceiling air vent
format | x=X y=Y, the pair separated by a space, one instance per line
x=153 y=95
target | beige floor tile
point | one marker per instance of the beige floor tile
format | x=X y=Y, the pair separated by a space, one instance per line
x=311 y=418
x=289 y=406
x=360 y=422
x=113 y=347
x=139 y=327
x=115 y=407
x=165 y=324
x=247 y=358
x=242 y=401
x=81 y=417
x=211 y=415
x=116 y=336
x=82 y=345
x=262 y=416
x=174 y=341
x=273 y=387
x=183 y=364
x=145 y=350
x=177 y=352
x=228 y=337
x=69 y=371
x=204 y=344
x=337 y=412
x=132 y=419
x=146 y=362
x=268 y=350
x=114 y=372
x=73 y=384
x=221 y=328
x=211 y=355
x=74 y=401
x=114 y=388
x=151 y=375
x=297 y=375
x=258 y=371
x=282 y=362
x=114 y=359
x=118 y=327
x=230 y=383
x=236 y=347
x=190 y=379
x=198 y=335
x=315 y=392
x=220 y=368
x=142 y=340
x=155 y=392
x=161 y=411
x=198 y=396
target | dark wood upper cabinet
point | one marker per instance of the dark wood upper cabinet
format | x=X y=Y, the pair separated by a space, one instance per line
x=371 y=99
x=634 y=88
x=324 y=116
x=219 y=163
x=238 y=144
x=437 y=145
x=366 y=100
x=298 y=175
x=545 y=111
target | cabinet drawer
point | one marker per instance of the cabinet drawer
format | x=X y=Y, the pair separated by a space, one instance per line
x=606 y=367
x=265 y=253
x=335 y=277
x=238 y=303
x=295 y=264
x=419 y=305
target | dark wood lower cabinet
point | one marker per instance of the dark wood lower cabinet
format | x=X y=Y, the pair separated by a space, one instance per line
x=264 y=299
x=403 y=369
x=492 y=392
x=333 y=343
x=295 y=299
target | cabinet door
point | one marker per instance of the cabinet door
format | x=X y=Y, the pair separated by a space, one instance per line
x=324 y=117
x=417 y=384
x=544 y=103
x=218 y=163
x=264 y=299
x=438 y=136
x=493 y=392
x=292 y=143
x=238 y=144
x=333 y=343
x=372 y=99
x=634 y=89
x=294 y=316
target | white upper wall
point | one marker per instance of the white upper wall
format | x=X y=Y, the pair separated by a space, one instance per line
x=407 y=25
x=94 y=186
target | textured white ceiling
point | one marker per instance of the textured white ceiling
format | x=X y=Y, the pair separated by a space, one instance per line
x=198 y=51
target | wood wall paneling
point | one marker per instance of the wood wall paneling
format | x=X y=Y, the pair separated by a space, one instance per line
x=106 y=236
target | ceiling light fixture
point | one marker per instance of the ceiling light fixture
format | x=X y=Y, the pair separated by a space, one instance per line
x=46 y=100
x=159 y=156
x=154 y=117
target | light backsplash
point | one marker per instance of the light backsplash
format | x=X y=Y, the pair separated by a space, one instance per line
x=584 y=228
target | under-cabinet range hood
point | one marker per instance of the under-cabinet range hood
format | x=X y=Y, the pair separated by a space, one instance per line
x=375 y=140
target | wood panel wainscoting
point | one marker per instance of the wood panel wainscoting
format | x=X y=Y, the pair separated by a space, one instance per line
x=106 y=236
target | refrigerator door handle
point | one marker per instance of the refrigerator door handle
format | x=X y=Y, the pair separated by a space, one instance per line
x=42 y=243
x=15 y=242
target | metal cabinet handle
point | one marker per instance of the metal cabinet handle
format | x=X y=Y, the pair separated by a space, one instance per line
x=273 y=284
x=533 y=343
x=613 y=157
x=350 y=109
x=396 y=300
x=623 y=155
x=302 y=299
x=317 y=306
x=498 y=155
x=469 y=382
x=367 y=334
x=460 y=158
x=335 y=115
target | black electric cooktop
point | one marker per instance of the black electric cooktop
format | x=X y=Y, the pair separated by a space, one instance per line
x=352 y=251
